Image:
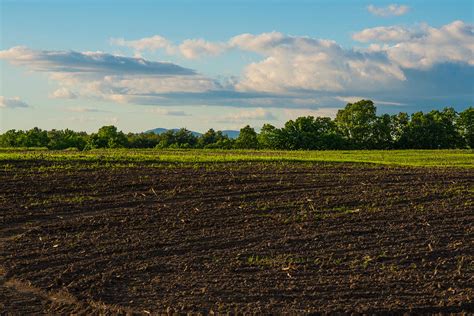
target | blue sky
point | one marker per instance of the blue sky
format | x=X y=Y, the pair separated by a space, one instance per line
x=225 y=64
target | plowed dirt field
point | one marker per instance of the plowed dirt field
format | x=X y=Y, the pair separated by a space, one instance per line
x=235 y=237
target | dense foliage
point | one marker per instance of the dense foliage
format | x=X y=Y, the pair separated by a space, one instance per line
x=357 y=126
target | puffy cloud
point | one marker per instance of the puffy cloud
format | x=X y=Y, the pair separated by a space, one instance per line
x=14 y=102
x=195 y=48
x=152 y=43
x=421 y=49
x=294 y=64
x=390 y=10
x=108 y=77
x=189 y=48
x=293 y=71
x=261 y=43
x=451 y=43
x=301 y=63
x=386 y=34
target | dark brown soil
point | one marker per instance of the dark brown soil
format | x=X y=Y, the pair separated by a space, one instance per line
x=246 y=237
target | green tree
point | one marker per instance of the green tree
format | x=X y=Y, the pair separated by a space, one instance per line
x=35 y=137
x=433 y=130
x=185 y=139
x=167 y=139
x=213 y=139
x=382 y=137
x=269 y=137
x=107 y=137
x=400 y=125
x=12 y=138
x=465 y=124
x=209 y=137
x=310 y=133
x=143 y=140
x=356 y=122
x=247 y=138
x=62 y=139
x=182 y=138
x=449 y=135
x=224 y=143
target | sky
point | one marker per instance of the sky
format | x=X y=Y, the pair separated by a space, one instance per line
x=139 y=65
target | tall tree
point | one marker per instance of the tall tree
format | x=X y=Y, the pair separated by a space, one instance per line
x=247 y=138
x=107 y=137
x=310 y=133
x=400 y=123
x=62 y=139
x=12 y=138
x=356 y=122
x=433 y=130
x=382 y=137
x=465 y=124
x=270 y=137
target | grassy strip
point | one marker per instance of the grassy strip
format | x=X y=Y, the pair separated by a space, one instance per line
x=428 y=158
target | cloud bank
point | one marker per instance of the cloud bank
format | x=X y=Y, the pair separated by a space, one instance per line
x=400 y=63
x=424 y=47
x=88 y=62
x=106 y=76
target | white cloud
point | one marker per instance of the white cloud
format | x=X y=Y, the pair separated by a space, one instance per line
x=295 y=64
x=261 y=43
x=246 y=115
x=152 y=44
x=293 y=71
x=315 y=64
x=423 y=48
x=88 y=63
x=390 y=10
x=14 y=102
x=195 y=48
x=62 y=93
x=301 y=63
x=386 y=34
x=108 y=77
x=189 y=48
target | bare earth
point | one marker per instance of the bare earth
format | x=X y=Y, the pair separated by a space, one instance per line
x=236 y=237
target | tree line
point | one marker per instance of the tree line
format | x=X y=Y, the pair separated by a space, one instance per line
x=357 y=126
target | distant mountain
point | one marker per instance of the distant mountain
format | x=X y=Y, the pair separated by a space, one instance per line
x=230 y=133
x=160 y=130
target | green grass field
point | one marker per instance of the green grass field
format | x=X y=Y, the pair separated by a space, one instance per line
x=419 y=158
